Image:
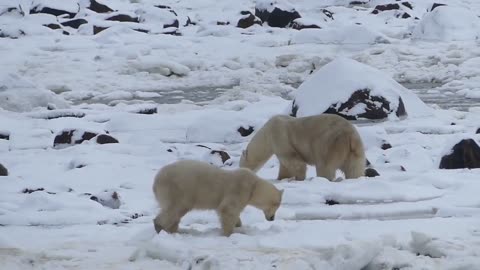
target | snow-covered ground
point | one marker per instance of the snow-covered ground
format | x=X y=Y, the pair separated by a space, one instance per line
x=205 y=84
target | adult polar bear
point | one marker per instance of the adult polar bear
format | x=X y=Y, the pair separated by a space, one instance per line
x=327 y=141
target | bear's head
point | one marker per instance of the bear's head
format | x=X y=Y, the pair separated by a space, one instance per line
x=267 y=198
x=249 y=162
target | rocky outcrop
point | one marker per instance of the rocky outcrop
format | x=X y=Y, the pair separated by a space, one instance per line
x=464 y=154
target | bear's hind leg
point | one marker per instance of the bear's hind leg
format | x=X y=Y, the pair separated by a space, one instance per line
x=354 y=167
x=326 y=171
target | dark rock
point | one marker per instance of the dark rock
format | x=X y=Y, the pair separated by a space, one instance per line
x=142 y=30
x=99 y=8
x=465 y=154
x=30 y=191
x=3 y=170
x=358 y=3
x=175 y=24
x=328 y=13
x=66 y=138
x=380 y=8
x=394 y=6
x=98 y=29
x=189 y=22
x=223 y=155
x=147 y=111
x=74 y=23
x=386 y=146
x=167 y=7
x=402 y=168
x=4 y=135
x=203 y=146
x=368 y=163
x=278 y=17
x=123 y=18
x=248 y=20
x=53 y=26
x=106 y=139
x=223 y=23
x=435 y=5
x=407 y=4
x=52 y=11
x=478 y=131
x=169 y=150
x=371 y=172
x=376 y=107
x=331 y=202
x=13 y=9
x=297 y=25
x=244 y=132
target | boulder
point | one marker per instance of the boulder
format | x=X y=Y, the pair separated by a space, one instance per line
x=4 y=135
x=355 y=91
x=98 y=7
x=52 y=11
x=247 y=20
x=244 y=132
x=75 y=23
x=386 y=145
x=464 y=154
x=123 y=18
x=276 y=13
x=478 y=131
x=73 y=136
x=371 y=172
x=3 y=170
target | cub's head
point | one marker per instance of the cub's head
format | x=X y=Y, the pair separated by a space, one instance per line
x=270 y=200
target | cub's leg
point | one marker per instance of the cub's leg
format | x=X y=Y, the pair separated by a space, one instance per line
x=229 y=215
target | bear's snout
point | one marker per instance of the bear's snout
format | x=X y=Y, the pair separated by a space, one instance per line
x=272 y=218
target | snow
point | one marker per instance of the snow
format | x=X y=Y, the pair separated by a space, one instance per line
x=352 y=34
x=205 y=84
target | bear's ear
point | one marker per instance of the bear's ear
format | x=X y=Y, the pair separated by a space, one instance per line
x=281 y=192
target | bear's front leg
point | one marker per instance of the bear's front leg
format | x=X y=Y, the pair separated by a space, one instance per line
x=292 y=168
x=229 y=217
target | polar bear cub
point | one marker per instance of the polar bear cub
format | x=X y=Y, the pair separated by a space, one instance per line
x=188 y=184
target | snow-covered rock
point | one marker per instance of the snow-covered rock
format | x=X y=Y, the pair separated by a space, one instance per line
x=447 y=23
x=19 y=95
x=355 y=90
x=73 y=136
x=464 y=154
